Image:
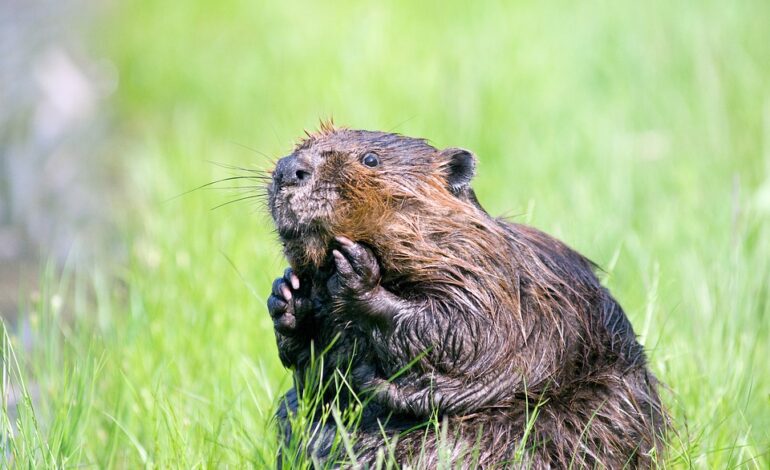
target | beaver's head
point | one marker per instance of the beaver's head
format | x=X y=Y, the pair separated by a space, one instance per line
x=352 y=182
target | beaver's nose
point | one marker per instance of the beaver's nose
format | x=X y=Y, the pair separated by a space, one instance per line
x=291 y=171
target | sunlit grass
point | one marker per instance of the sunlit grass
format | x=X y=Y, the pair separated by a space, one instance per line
x=638 y=134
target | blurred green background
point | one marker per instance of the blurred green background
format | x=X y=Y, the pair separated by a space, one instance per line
x=637 y=133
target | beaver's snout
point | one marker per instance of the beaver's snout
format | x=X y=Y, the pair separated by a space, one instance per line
x=291 y=171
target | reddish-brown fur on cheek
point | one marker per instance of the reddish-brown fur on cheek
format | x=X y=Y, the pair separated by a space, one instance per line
x=366 y=207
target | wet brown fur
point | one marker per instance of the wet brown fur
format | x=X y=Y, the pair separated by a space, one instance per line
x=515 y=321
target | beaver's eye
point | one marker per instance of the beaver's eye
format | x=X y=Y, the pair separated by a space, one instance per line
x=370 y=159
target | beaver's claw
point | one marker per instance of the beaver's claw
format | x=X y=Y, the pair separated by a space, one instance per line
x=285 y=306
x=358 y=272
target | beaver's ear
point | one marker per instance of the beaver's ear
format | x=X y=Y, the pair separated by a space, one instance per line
x=461 y=165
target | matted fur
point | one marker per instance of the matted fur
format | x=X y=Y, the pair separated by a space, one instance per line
x=503 y=319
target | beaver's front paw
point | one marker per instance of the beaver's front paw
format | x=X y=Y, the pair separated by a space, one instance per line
x=357 y=275
x=286 y=306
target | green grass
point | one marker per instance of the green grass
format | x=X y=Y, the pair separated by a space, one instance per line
x=638 y=134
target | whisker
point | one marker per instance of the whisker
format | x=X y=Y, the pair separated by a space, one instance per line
x=251 y=149
x=239 y=168
x=230 y=178
x=392 y=129
x=227 y=188
x=253 y=196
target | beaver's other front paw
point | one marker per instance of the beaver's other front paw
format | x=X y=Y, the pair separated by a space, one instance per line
x=357 y=275
x=286 y=306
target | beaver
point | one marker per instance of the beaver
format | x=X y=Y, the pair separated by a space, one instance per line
x=430 y=308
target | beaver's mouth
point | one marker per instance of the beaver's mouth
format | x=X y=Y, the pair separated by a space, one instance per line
x=294 y=226
x=306 y=245
x=290 y=233
x=302 y=212
x=294 y=233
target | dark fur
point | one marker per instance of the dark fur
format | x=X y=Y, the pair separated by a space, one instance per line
x=497 y=318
